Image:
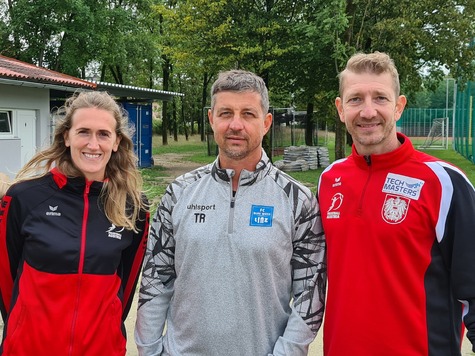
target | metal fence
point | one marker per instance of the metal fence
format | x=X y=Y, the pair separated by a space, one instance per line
x=463 y=122
x=288 y=129
x=441 y=128
x=427 y=128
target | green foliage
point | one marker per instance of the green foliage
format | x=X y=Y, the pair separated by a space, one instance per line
x=71 y=35
x=156 y=127
x=423 y=37
x=440 y=98
x=298 y=47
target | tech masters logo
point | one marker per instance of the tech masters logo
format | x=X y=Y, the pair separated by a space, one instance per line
x=402 y=185
x=400 y=191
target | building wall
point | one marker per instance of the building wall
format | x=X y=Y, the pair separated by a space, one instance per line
x=15 y=98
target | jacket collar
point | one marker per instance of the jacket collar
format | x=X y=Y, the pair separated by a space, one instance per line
x=386 y=160
x=247 y=177
x=76 y=184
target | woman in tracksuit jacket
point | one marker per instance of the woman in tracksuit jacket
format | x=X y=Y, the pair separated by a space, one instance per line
x=73 y=230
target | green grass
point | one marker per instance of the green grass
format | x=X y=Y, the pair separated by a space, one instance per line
x=457 y=159
x=155 y=181
x=194 y=149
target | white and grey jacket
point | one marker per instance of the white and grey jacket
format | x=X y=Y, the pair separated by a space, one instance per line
x=239 y=273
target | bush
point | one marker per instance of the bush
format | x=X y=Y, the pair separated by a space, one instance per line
x=157 y=126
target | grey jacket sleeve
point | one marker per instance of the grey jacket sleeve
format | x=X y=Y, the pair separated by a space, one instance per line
x=157 y=285
x=308 y=280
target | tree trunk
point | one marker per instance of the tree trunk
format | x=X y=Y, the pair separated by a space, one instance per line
x=185 y=127
x=175 y=121
x=309 y=125
x=164 y=124
x=204 y=95
x=166 y=83
x=340 y=133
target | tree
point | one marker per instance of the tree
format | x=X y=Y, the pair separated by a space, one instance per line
x=308 y=69
x=68 y=36
x=425 y=38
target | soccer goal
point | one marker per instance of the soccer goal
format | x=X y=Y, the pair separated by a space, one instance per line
x=437 y=137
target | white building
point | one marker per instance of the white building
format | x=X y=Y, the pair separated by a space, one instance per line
x=28 y=94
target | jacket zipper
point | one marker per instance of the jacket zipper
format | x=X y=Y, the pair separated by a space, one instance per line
x=81 y=263
x=231 y=211
x=363 y=192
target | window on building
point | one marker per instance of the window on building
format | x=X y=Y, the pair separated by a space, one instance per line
x=5 y=122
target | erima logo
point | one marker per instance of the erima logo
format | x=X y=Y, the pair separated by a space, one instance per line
x=337 y=182
x=53 y=211
x=115 y=234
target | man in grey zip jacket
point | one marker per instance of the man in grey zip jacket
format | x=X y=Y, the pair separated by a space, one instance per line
x=236 y=258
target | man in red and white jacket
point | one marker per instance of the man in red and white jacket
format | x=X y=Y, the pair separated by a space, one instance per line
x=400 y=231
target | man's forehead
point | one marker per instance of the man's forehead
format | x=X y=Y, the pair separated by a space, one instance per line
x=237 y=99
x=368 y=82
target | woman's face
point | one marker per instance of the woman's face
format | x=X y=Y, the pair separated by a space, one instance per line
x=92 y=139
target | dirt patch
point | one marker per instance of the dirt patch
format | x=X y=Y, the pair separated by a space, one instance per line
x=175 y=164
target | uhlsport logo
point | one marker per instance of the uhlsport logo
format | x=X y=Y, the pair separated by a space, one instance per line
x=200 y=217
x=115 y=232
x=53 y=211
x=337 y=201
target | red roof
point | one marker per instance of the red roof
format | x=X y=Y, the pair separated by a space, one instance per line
x=16 y=70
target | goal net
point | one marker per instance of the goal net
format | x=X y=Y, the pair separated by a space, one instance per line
x=437 y=137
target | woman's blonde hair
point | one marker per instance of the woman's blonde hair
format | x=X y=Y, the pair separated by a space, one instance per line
x=122 y=190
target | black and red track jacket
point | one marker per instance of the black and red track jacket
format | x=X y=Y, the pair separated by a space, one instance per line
x=67 y=274
x=400 y=239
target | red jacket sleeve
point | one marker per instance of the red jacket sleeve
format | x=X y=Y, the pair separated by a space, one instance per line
x=11 y=245
x=131 y=264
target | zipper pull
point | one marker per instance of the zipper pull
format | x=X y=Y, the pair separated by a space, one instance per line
x=368 y=160
x=88 y=187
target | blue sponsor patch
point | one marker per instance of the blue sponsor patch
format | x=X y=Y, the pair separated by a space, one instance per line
x=261 y=215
